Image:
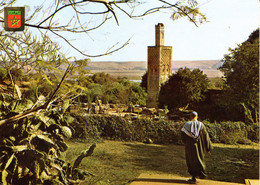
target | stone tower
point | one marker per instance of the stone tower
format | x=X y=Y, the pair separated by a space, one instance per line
x=159 y=66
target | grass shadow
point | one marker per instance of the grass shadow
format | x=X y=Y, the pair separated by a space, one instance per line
x=230 y=164
x=171 y=181
x=233 y=164
x=122 y=162
x=158 y=158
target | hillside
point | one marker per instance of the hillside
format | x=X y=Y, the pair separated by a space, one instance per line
x=134 y=70
x=201 y=64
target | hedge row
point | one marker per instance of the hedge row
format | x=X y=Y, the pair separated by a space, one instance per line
x=163 y=132
x=229 y=132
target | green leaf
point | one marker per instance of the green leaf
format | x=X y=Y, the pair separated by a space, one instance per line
x=42 y=143
x=43 y=118
x=47 y=79
x=18 y=91
x=6 y=172
x=66 y=104
x=19 y=148
x=20 y=106
x=68 y=118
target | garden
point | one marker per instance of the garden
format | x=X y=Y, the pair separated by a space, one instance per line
x=43 y=142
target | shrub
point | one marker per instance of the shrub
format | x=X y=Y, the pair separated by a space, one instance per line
x=184 y=88
x=253 y=132
x=119 y=128
x=161 y=132
x=228 y=132
x=110 y=90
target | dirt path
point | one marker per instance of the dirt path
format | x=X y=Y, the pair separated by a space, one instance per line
x=164 y=179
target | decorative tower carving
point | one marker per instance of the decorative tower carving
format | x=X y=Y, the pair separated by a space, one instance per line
x=159 y=66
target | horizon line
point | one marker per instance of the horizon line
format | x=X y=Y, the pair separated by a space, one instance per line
x=146 y=60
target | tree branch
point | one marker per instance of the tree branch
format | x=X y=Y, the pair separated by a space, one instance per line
x=83 y=155
x=57 y=10
x=84 y=54
x=35 y=110
x=150 y=11
x=175 y=6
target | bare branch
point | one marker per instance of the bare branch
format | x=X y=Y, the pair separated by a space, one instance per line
x=69 y=69
x=84 y=54
x=35 y=110
x=75 y=30
x=150 y=11
x=34 y=13
x=98 y=1
x=185 y=13
x=92 y=13
x=80 y=7
x=109 y=7
x=57 y=10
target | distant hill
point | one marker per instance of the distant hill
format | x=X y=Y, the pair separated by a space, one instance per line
x=201 y=64
x=134 y=70
x=118 y=65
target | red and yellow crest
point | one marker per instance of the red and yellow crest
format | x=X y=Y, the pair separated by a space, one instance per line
x=14 y=18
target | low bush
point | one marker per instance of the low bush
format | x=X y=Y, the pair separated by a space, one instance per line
x=119 y=128
x=228 y=132
x=161 y=132
x=253 y=132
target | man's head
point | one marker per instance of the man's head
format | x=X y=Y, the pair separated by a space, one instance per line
x=193 y=115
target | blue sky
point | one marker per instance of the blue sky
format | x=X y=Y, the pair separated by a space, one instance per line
x=230 y=23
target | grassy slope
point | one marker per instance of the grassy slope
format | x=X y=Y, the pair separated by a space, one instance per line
x=120 y=162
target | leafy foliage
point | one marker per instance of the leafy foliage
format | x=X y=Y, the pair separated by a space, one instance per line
x=241 y=70
x=190 y=10
x=216 y=83
x=34 y=125
x=27 y=58
x=163 y=132
x=31 y=146
x=119 y=128
x=23 y=51
x=111 y=90
x=184 y=88
x=229 y=132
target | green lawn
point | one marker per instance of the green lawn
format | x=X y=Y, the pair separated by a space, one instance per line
x=118 y=163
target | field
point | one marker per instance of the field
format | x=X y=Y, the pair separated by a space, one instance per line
x=135 y=70
x=119 y=163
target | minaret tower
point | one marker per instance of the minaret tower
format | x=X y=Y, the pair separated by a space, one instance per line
x=159 y=66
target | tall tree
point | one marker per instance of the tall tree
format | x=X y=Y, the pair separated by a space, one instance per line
x=184 y=89
x=241 y=71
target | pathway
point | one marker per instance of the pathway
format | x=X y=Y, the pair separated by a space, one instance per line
x=164 y=179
